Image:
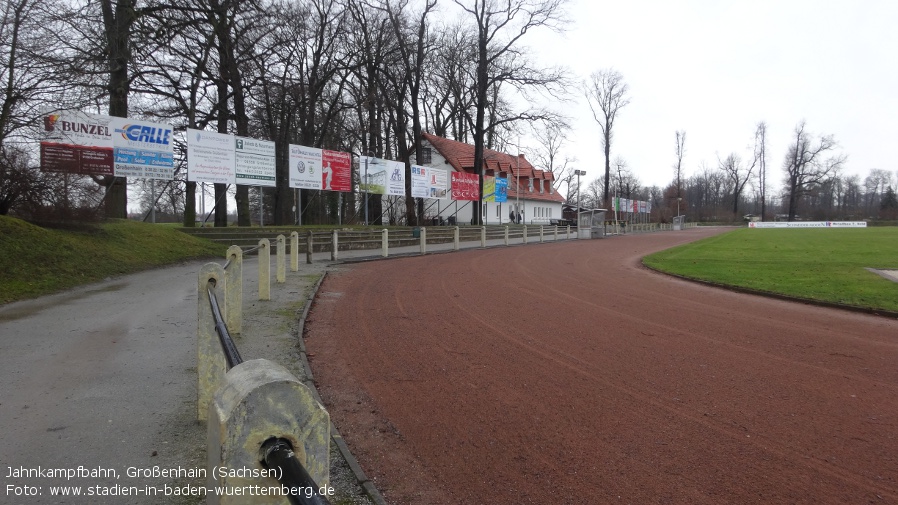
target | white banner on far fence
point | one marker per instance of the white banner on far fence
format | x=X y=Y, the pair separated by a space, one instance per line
x=809 y=224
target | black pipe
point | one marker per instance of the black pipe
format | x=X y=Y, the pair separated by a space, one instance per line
x=301 y=488
x=227 y=343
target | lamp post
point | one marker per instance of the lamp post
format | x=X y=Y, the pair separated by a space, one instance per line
x=366 y=190
x=678 y=206
x=578 y=173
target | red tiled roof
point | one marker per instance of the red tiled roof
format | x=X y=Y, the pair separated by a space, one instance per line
x=461 y=157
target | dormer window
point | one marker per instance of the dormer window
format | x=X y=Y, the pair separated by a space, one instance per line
x=425 y=156
x=530 y=184
x=542 y=187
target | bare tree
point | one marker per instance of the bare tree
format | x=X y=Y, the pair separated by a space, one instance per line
x=449 y=83
x=500 y=26
x=875 y=184
x=548 y=156
x=805 y=165
x=761 y=157
x=29 y=79
x=405 y=80
x=678 y=168
x=606 y=93
x=626 y=184
x=737 y=175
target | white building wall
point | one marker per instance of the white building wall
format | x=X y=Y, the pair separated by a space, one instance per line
x=533 y=211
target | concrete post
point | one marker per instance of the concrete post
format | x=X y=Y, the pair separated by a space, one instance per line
x=258 y=401
x=309 y=245
x=506 y=235
x=525 y=233
x=568 y=232
x=234 y=293
x=423 y=240
x=210 y=360
x=294 y=252
x=556 y=233
x=281 y=274
x=335 y=246
x=385 y=242
x=541 y=235
x=264 y=269
x=483 y=236
x=456 y=246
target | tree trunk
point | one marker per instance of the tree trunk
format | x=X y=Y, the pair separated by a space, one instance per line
x=190 y=205
x=605 y=201
x=118 y=23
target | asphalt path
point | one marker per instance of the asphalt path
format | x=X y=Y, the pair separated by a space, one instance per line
x=100 y=379
x=568 y=373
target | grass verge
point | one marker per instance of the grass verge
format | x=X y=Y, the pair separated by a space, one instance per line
x=35 y=261
x=827 y=265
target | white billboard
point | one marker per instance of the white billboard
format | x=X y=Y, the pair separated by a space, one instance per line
x=305 y=167
x=210 y=157
x=808 y=224
x=254 y=162
x=142 y=149
x=420 y=181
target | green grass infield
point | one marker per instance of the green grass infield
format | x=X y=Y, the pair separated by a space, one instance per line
x=826 y=265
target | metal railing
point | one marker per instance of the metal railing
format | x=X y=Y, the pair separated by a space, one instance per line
x=277 y=453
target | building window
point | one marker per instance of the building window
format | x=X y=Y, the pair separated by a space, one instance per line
x=425 y=156
x=530 y=184
x=542 y=187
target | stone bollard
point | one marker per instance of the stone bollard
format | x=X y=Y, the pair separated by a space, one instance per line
x=506 y=235
x=260 y=400
x=335 y=246
x=281 y=274
x=455 y=247
x=234 y=293
x=568 y=232
x=385 y=242
x=310 y=243
x=210 y=360
x=264 y=269
x=423 y=240
x=525 y=233
x=483 y=236
x=541 y=235
x=556 y=233
x=294 y=252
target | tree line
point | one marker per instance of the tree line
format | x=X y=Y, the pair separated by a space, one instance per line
x=814 y=185
x=363 y=76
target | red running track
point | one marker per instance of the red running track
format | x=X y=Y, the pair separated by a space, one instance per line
x=568 y=373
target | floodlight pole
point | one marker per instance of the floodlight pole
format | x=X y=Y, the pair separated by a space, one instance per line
x=578 y=173
x=366 y=190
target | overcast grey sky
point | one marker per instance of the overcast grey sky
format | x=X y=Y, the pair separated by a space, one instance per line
x=717 y=68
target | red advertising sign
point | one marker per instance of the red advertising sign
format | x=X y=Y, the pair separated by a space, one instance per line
x=336 y=171
x=77 y=143
x=76 y=159
x=465 y=186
